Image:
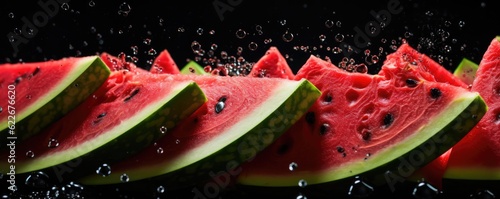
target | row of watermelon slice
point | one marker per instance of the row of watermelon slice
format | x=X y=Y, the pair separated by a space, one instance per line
x=287 y=155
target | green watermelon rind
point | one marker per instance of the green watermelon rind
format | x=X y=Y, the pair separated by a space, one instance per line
x=131 y=135
x=193 y=68
x=264 y=125
x=442 y=132
x=89 y=75
x=466 y=71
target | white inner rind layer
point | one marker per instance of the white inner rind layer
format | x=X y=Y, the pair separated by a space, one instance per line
x=388 y=154
x=77 y=69
x=88 y=146
x=280 y=94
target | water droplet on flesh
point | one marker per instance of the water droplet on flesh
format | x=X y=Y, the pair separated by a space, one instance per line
x=292 y=166
x=30 y=154
x=159 y=150
x=163 y=129
x=53 y=143
x=302 y=183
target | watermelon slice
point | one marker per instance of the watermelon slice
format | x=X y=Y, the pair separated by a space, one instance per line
x=234 y=126
x=164 y=63
x=36 y=94
x=466 y=71
x=118 y=63
x=475 y=160
x=127 y=112
x=272 y=64
x=365 y=125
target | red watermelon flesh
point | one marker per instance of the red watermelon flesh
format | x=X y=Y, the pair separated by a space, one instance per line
x=408 y=63
x=357 y=118
x=124 y=99
x=164 y=63
x=272 y=64
x=477 y=156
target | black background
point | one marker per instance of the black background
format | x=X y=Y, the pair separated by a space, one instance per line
x=82 y=29
x=465 y=28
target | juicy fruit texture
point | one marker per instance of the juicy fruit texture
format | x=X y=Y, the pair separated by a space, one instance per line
x=407 y=63
x=127 y=112
x=365 y=125
x=272 y=64
x=36 y=94
x=233 y=127
x=477 y=156
x=193 y=68
x=466 y=71
x=164 y=63
x=119 y=63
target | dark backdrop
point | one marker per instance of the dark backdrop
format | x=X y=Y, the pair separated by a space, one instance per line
x=445 y=30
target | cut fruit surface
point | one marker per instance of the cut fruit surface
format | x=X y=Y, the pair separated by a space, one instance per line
x=34 y=95
x=367 y=125
x=164 y=63
x=127 y=112
x=236 y=123
x=272 y=64
x=477 y=156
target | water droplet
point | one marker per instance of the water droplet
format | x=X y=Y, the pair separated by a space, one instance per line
x=339 y=37
x=53 y=143
x=302 y=183
x=65 y=6
x=199 y=31
x=483 y=194
x=124 y=178
x=211 y=32
x=329 y=23
x=159 y=150
x=11 y=15
x=152 y=51
x=181 y=29
x=30 y=154
x=147 y=41
x=461 y=24
x=268 y=41
x=435 y=93
x=338 y=24
x=160 y=189
x=124 y=9
x=91 y=3
x=301 y=196
x=195 y=46
x=322 y=37
x=220 y=105
x=240 y=33
x=37 y=180
x=103 y=170
x=360 y=189
x=287 y=36
x=283 y=22
x=163 y=129
x=292 y=166
x=424 y=190
x=253 y=46
x=177 y=141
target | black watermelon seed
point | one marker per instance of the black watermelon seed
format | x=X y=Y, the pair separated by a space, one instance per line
x=310 y=118
x=435 y=93
x=340 y=149
x=367 y=136
x=324 y=128
x=37 y=69
x=411 y=83
x=283 y=148
x=101 y=115
x=328 y=98
x=388 y=119
x=221 y=104
x=132 y=95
